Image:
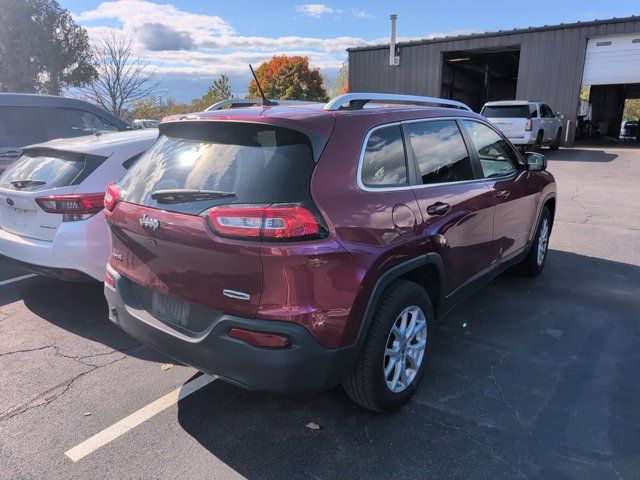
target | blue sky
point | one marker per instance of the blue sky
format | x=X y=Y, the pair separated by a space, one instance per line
x=193 y=41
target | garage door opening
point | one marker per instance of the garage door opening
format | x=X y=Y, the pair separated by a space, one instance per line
x=609 y=113
x=610 y=96
x=479 y=76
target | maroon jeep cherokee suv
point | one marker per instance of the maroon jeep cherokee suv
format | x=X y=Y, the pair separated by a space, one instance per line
x=290 y=248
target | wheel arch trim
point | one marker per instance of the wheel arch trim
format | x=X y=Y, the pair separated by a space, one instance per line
x=388 y=277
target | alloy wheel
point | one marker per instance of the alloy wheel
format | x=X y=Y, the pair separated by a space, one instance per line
x=543 y=241
x=405 y=349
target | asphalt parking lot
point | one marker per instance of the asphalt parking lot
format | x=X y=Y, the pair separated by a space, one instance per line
x=527 y=379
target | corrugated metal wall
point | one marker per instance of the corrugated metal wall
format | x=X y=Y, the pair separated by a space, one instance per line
x=550 y=70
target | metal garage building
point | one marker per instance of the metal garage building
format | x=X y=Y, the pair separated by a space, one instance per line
x=549 y=64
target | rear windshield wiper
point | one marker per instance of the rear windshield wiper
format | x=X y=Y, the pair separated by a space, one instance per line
x=27 y=183
x=186 y=195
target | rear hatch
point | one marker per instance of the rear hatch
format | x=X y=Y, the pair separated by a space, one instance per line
x=510 y=119
x=42 y=174
x=163 y=236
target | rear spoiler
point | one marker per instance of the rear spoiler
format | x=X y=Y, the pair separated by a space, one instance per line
x=175 y=128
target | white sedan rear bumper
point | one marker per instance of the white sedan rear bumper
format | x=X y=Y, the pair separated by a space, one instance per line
x=82 y=246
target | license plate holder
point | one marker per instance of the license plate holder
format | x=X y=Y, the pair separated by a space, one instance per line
x=170 y=309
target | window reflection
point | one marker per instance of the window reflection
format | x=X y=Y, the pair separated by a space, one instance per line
x=252 y=172
x=440 y=152
x=384 y=159
x=496 y=157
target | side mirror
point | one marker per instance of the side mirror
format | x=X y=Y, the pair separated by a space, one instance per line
x=559 y=115
x=535 y=161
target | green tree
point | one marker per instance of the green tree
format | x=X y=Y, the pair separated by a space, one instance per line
x=150 y=107
x=585 y=92
x=289 y=78
x=631 y=109
x=219 y=90
x=341 y=84
x=157 y=108
x=42 y=49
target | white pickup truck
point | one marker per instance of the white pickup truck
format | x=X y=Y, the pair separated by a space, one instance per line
x=528 y=125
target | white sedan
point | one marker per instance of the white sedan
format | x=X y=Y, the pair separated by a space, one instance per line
x=51 y=202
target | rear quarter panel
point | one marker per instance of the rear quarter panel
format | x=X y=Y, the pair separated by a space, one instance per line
x=361 y=221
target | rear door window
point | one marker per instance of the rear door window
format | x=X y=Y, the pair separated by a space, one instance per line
x=245 y=163
x=70 y=122
x=384 y=161
x=506 y=111
x=20 y=126
x=440 y=151
x=497 y=158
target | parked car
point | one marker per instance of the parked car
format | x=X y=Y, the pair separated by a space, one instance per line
x=629 y=130
x=293 y=248
x=140 y=123
x=51 y=202
x=527 y=125
x=26 y=119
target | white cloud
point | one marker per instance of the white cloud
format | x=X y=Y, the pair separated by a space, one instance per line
x=315 y=10
x=196 y=46
x=360 y=13
x=132 y=14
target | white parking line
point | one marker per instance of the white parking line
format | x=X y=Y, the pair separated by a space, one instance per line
x=123 y=426
x=17 y=279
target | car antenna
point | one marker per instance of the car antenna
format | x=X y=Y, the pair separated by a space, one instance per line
x=265 y=100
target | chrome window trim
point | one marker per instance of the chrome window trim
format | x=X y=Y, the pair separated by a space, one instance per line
x=363 y=149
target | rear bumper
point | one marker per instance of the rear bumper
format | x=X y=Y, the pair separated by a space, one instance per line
x=81 y=246
x=305 y=367
x=525 y=141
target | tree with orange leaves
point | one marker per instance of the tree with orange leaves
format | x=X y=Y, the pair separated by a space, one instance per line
x=288 y=78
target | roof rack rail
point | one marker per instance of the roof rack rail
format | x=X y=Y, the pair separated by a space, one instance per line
x=357 y=101
x=247 y=102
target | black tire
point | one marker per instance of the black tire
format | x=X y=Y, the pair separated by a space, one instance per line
x=537 y=146
x=366 y=385
x=531 y=266
x=556 y=142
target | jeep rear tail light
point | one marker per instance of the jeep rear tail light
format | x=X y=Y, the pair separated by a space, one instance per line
x=289 y=222
x=275 y=222
x=111 y=197
x=72 y=207
x=529 y=125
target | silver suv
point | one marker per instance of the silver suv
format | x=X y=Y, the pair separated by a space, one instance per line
x=528 y=125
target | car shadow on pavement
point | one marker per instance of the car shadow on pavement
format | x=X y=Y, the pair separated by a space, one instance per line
x=81 y=309
x=580 y=155
x=526 y=378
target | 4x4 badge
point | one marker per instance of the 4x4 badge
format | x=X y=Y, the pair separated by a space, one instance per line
x=149 y=222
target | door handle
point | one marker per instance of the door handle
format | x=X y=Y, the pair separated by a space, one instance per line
x=438 y=209
x=503 y=194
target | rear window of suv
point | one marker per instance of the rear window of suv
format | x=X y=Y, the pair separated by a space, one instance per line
x=249 y=163
x=507 y=111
